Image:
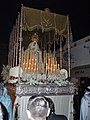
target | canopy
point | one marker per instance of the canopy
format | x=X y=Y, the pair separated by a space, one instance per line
x=49 y=26
x=44 y=20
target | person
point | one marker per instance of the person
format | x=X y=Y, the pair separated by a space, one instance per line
x=5 y=100
x=38 y=108
x=51 y=105
x=3 y=112
x=53 y=115
x=85 y=105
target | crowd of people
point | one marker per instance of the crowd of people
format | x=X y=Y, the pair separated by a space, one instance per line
x=42 y=108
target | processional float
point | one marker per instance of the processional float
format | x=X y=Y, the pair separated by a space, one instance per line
x=36 y=59
x=34 y=41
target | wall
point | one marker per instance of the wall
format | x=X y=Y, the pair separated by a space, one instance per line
x=80 y=57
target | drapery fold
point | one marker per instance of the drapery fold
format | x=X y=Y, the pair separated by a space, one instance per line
x=38 y=19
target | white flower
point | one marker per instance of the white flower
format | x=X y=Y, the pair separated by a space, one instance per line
x=5 y=73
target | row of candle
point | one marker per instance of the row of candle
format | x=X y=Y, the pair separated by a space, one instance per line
x=37 y=63
x=28 y=61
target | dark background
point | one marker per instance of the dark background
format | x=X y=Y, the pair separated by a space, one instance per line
x=78 y=11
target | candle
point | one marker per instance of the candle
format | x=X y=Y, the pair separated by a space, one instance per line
x=58 y=66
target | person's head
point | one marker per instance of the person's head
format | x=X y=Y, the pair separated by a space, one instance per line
x=51 y=105
x=38 y=108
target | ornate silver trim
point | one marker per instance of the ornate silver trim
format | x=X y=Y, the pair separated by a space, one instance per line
x=25 y=90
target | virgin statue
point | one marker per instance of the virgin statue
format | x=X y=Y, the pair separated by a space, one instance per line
x=36 y=52
x=34 y=46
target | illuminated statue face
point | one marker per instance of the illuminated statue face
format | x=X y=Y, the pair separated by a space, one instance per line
x=35 y=37
x=34 y=45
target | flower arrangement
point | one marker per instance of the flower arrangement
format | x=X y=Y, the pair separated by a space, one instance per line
x=31 y=78
x=5 y=73
x=40 y=78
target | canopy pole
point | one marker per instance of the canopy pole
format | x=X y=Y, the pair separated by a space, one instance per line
x=17 y=39
x=61 y=52
x=68 y=40
x=20 y=43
